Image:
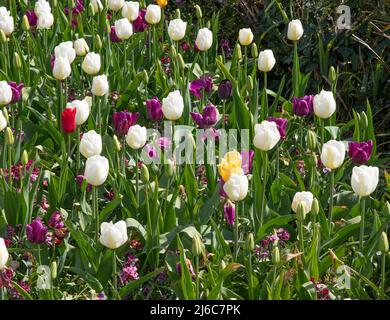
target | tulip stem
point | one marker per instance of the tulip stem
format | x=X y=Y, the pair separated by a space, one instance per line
x=331 y=177
x=265 y=165
x=301 y=243
x=246 y=63
x=60 y=100
x=383 y=273
x=223 y=113
x=137 y=177
x=78 y=150
x=264 y=108
x=197 y=276
x=236 y=232
x=362 y=214
x=115 y=280
x=10 y=166
x=95 y=213
x=277 y=160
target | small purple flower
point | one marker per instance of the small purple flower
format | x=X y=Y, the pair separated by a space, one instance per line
x=36 y=231
x=16 y=90
x=129 y=273
x=123 y=120
x=185 y=46
x=209 y=133
x=32 y=18
x=140 y=24
x=303 y=106
x=229 y=211
x=247 y=160
x=360 y=152
x=113 y=36
x=208 y=118
x=205 y=83
x=80 y=180
x=163 y=143
x=225 y=46
x=281 y=124
x=189 y=266
x=225 y=90
x=154 y=109
x=56 y=221
x=151 y=151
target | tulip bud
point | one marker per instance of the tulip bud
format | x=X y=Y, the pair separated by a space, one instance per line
x=250 y=243
x=219 y=58
x=178 y=14
x=5 y=114
x=169 y=168
x=181 y=61
x=55 y=3
x=301 y=213
x=17 y=61
x=173 y=52
x=117 y=144
x=3 y=37
x=98 y=42
x=238 y=52
x=387 y=209
x=364 y=120
x=9 y=136
x=197 y=245
x=332 y=74
x=24 y=157
x=144 y=173
x=223 y=264
x=311 y=139
x=383 y=243
x=53 y=269
x=25 y=23
x=254 y=51
x=145 y=77
x=314 y=159
x=198 y=12
x=249 y=83
x=91 y=9
x=315 y=207
x=276 y=255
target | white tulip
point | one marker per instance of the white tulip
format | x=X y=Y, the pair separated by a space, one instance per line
x=5 y=93
x=96 y=170
x=324 y=104
x=153 y=14
x=177 y=29
x=115 y=5
x=173 y=105
x=364 y=180
x=3 y=121
x=42 y=7
x=65 y=50
x=91 y=144
x=123 y=29
x=82 y=110
x=266 y=135
x=305 y=198
x=136 y=137
x=6 y=21
x=3 y=254
x=332 y=154
x=245 y=36
x=88 y=100
x=112 y=235
x=130 y=10
x=295 y=30
x=91 y=63
x=236 y=187
x=45 y=21
x=100 y=85
x=266 y=60
x=81 y=47
x=61 y=69
x=204 y=39
x=97 y=5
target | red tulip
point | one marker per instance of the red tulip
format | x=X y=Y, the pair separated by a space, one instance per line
x=69 y=120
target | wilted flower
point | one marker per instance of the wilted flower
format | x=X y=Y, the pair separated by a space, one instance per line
x=205 y=83
x=189 y=266
x=55 y=221
x=208 y=118
x=360 y=152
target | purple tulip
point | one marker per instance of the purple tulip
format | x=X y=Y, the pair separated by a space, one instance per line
x=208 y=118
x=113 y=36
x=281 y=124
x=154 y=109
x=360 y=152
x=123 y=120
x=140 y=24
x=303 y=106
x=56 y=221
x=225 y=90
x=222 y=192
x=32 y=18
x=229 y=211
x=247 y=160
x=36 y=231
x=16 y=90
x=205 y=83
x=80 y=179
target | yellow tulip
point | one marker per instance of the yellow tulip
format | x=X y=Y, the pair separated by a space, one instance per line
x=230 y=163
x=162 y=3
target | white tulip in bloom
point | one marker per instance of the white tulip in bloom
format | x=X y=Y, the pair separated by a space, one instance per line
x=332 y=154
x=100 y=85
x=136 y=137
x=324 y=104
x=61 y=69
x=266 y=60
x=65 y=50
x=153 y=14
x=42 y=6
x=6 y=21
x=245 y=36
x=130 y=10
x=81 y=47
x=5 y=93
x=115 y=5
x=3 y=254
x=177 y=29
x=91 y=63
x=113 y=235
x=295 y=30
x=173 y=105
x=364 y=180
x=204 y=39
x=305 y=198
x=91 y=144
x=45 y=21
x=123 y=29
x=236 y=187
x=266 y=135
x=3 y=121
x=97 y=5
x=96 y=170
x=82 y=110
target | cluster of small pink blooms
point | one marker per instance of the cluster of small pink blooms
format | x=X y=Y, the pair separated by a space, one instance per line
x=59 y=231
x=6 y=276
x=129 y=271
x=263 y=249
x=18 y=170
x=15 y=295
x=321 y=289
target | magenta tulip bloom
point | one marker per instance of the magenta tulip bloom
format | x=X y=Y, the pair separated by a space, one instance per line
x=303 y=106
x=113 y=36
x=281 y=124
x=204 y=83
x=32 y=18
x=123 y=120
x=140 y=24
x=225 y=90
x=56 y=221
x=208 y=118
x=154 y=109
x=247 y=160
x=36 y=231
x=229 y=211
x=16 y=90
x=360 y=152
